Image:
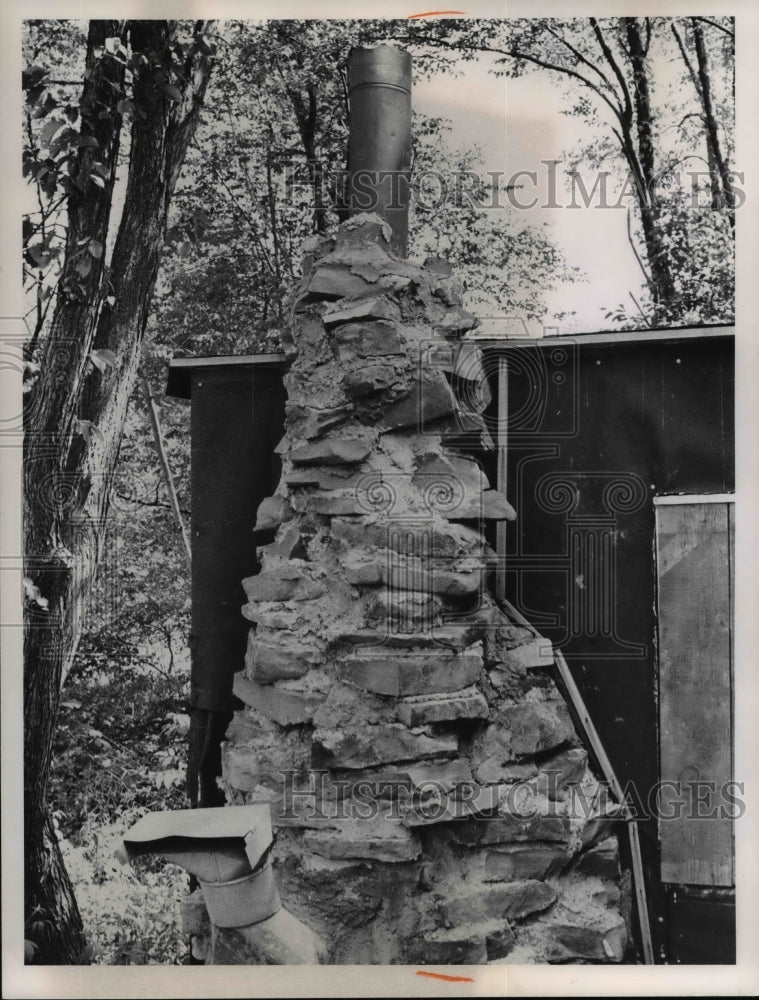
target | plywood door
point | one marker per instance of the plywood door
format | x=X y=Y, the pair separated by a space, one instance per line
x=694 y=564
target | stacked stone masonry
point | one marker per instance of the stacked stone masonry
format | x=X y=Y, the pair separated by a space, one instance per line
x=431 y=800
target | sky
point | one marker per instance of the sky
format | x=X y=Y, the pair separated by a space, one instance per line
x=518 y=124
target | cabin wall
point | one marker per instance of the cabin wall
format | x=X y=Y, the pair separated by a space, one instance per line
x=589 y=434
x=595 y=432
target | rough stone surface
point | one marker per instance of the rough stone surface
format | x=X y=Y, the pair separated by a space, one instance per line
x=534 y=861
x=410 y=783
x=284 y=584
x=286 y=707
x=375 y=745
x=561 y=771
x=367 y=340
x=267 y=663
x=512 y=900
x=435 y=766
x=311 y=422
x=527 y=729
x=332 y=451
x=334 y=281
x=374 y=840
x=376 y=307
x=449 y=947
x=568 y=942
x=412 y=673
x=499 y=941
x=538 y=653
x=466 y=704
x=272 y=512
x=601 y=860
x=429 y=399
x=506 y=829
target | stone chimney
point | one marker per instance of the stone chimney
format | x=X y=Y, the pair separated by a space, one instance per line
x=430 y=797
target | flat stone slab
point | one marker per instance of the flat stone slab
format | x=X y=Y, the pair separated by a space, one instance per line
x=429 y=399
x=508 y=863
x=336 y=281
x=272 y=512
x=512 y=901
x=373 y=307
x=457 y=946
x=566 y=942
x=437 y=637
x=283 y=706
x=530 y=655
x=267 y=663
x=377 y=839
x=469 y=703
x=374 y=745
x=332 y=451
x=369 y=339
x=506 y=829
x=402 y=674
x=285 y=584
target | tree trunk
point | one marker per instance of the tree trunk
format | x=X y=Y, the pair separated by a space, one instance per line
x=75 y=421
x=662 y=284
x=722 y=191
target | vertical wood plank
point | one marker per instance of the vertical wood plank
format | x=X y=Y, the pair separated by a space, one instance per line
x=694 y=604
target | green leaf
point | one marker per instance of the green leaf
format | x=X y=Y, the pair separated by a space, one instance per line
x=97 y=181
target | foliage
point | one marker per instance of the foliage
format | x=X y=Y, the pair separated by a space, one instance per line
x=120 y=741
x=131 y=913
x=656 y=95
x=119 y=752
x=506 y=265
x=267 y=170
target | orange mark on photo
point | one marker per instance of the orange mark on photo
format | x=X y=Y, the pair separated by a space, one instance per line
x=447 y=979
x=435 y=13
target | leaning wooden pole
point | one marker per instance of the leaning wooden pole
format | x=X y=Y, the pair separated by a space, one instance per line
x=155 y=424
x=604 y=763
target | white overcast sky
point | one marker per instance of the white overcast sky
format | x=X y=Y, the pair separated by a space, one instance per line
x=518 y=124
